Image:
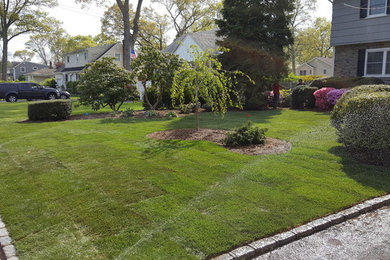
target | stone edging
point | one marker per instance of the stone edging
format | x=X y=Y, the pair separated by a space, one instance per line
x=6 y=247
x=268 y=244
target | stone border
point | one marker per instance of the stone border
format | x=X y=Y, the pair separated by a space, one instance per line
x=6 y=247
x=268 y=244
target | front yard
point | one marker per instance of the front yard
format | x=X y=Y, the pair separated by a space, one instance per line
x=100 y=189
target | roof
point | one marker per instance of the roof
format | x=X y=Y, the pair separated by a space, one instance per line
x=16 y=64
x=63 y=69
x=42 y=72
x=205 y=40
x=97 y=52
x=328 y=61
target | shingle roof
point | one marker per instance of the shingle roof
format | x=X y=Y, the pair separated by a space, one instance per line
x=328 y=61
x=205 y=40
x=97 y=52
x=42 y=72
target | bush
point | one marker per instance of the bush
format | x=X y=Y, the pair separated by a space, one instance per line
x=49 y=110
x=334 y=95
x=246 y=135
x=256 y=102
x=187 y=108
x=303 y=97
x=339 y=83
x=362 y=120
x=321 y=98
x=50 y=83
x=171 y=114
x=72 y=87
x=128 y=112
x=153 y=94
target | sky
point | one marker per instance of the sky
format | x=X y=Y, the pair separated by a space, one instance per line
x=86 y=21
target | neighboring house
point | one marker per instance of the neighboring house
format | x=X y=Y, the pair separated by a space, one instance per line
x=318 y=66
x=22 y=68
x=204 y=40
x=40 y=75
x=361 y=38
x=75 y=62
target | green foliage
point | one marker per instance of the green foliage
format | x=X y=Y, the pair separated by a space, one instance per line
x=306 y=79
x=151 y=113
x=187 y=108
x=52 y=110
x=128 y=112
x=205 y=78
x=256 y=102
x=246 y=135
x=50 y=83
x=159 y=68
x=103 y=84
x=171 y=114
x=72 y=87
x=302 y=97
x=22 y=78
x=24 y=55
x=338 y=83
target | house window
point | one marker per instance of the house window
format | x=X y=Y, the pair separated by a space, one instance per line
x=118 y=57
x=378 y=62
x=22 y=69
x=376 y=7
x=35 y=68
x=310 y=72
x=302 y=73
x=66 y=78
x=325 y=71
x=85 y=55
x=67 y=58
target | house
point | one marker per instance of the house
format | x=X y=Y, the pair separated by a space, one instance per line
x=203 y=40
x=361 y=38
x=40 y=75
x=21 y=68
x=318 y=66
x=75 y=62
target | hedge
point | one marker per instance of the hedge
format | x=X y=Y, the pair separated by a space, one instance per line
x=338 y=83
x=303 y=97
x=52 y=110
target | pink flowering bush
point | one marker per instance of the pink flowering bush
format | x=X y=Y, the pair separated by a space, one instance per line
x=321 y=98
x=334 y=95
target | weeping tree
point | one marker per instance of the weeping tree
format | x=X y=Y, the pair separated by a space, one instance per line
x=204 y=78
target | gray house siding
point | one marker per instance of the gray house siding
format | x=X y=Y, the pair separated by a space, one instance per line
x=349 y=28
x=26 y=67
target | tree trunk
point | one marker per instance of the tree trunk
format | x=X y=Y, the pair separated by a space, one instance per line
x=124 y=7
x=293 y=57
x=197 y=105
x=5 y=58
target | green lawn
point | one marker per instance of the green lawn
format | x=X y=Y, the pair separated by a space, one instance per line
x=100 y=189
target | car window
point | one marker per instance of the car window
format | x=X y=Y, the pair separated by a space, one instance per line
x=25 y=87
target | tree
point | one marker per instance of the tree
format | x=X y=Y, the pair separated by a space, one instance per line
x=24 y=55
x=49 y=44
x=153 y=27
x=79 y=42
x=257 y=34
x=157 y=67
x=315 y=40
x=19 y=17
x=204 y=78
x=103 y=83
x=129 y=37
x=302 y=15
x=191 y=15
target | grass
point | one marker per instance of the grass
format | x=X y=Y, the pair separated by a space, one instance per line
x=100 y=189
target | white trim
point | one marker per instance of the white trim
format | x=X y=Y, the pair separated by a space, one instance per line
x=385 y=52
x=333 y=60
x=376 y=15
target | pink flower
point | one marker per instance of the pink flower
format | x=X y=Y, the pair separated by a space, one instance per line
x=334 y=95
x=321 y=98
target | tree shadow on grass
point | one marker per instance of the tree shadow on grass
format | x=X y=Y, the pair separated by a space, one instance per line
x=373 y=176
x=166 y=147
x=132 y=120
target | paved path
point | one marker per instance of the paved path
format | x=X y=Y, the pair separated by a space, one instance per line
x=366 y=237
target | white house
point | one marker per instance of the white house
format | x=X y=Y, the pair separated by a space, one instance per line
x=75 y=62
x=318 y=66
x=204 y=40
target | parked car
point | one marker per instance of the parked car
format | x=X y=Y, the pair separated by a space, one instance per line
x=11 y=92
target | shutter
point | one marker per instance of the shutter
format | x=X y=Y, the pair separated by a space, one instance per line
x=361 y=62
x=388 y=6
x=363 y=8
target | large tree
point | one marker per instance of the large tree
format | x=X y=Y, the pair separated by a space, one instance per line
x=18 y=17
x=301 y=16
x=191 y=15
x=24 y=55
x=130 y=28
x=257 y=33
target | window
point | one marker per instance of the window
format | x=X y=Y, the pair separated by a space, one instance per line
x=376 y=7
x=325 y=71
x=85 y=55
x=22 y=69
x=67 y=58
x=310 y=72
x=302 y=73
x=378 y=62
x=35 y=68
x=66 y=78
x=118 y=57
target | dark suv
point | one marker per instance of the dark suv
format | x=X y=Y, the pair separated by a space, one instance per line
x=27 y=90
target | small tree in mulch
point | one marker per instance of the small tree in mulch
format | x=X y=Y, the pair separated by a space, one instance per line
x=204 y=78
x=103 y=84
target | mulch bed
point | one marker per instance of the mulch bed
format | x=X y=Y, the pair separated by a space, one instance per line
x=271 y=145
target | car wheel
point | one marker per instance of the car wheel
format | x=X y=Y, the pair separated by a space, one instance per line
x=51 y=96
x=12 y=98
x=63 y=96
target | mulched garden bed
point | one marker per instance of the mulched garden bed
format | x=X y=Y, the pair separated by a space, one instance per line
x=271 y=145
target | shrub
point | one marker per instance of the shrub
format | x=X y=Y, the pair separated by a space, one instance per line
x=151 y=113
x=340 y=83
x=49 y=110
x=246 y=135
x=50 y=83
x=72 y=87
x=302 y=97
x=334 y=95
x=128 y=112
x=256 y=102
x=153 y=94
x=321 y=98
x=187 y=108
x=171 y=114
x=362 y=120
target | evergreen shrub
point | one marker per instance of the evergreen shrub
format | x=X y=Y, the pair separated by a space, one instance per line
x=339 y=83
x=246 y=135
x=303 y=97
x=52 y=110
